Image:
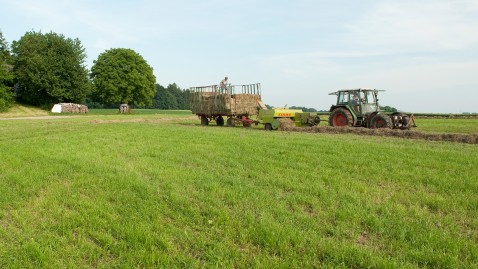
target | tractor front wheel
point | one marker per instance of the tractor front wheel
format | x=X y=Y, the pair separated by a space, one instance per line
x=381 y=121
x=340 y=117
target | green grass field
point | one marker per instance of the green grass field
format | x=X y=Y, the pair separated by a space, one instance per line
x=157 y=190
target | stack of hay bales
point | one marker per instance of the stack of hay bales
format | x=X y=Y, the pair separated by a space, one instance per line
x=70 y=108
x=214 y=103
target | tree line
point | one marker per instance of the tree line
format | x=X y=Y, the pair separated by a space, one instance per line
x=166 y=98
x=44 y=69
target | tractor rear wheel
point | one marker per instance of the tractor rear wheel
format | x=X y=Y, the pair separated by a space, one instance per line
x=220 y=121
x=204 y=120
x=340 y=117
x=231 y=122
x=381 y=121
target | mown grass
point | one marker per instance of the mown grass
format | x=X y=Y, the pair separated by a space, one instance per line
x=175 y=194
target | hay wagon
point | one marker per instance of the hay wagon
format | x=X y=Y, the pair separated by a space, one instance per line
x=235 y=102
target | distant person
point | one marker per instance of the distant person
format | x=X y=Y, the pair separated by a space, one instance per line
x=356 y=102
x=355 y=99
x=223 y=84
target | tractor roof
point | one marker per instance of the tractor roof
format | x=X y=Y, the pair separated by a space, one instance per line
x=358 y=89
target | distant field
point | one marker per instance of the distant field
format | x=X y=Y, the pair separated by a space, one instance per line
x=158 y=190
x=437 y=125
x=465 y=126
x=139 y=112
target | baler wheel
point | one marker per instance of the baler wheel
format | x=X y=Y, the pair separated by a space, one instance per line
x=340 y=117
x=268 y=127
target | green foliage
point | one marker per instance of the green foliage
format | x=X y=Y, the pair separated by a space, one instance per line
x=6 y=76
x=388 y=109
x=304 y=108
x=6 y=96
x=122 y=76
x=135 y=191
x=171 y=97
x=49 y=68
x=5 y=55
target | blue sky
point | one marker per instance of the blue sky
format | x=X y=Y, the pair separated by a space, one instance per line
x=423 y=53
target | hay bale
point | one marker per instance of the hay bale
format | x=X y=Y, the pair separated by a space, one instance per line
x=124 y=108
x=69 y=108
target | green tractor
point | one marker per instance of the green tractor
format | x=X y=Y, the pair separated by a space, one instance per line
x=275 y=118
x=359 y=108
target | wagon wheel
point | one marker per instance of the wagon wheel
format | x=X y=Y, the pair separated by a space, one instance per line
x=231 y=122
x=381 y=121
x=340 y=117
x=204 y=120
x=220 y=121
x=268 y=127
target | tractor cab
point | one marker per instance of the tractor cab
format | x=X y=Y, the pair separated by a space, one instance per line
x=359 y=107
x=358 y=101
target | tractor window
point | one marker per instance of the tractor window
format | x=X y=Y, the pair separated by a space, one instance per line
x=355 y=97
x=343 y=98
x=369 y=97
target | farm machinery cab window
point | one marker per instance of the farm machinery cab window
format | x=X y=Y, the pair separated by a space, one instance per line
x=369 y=97
x=343 y=98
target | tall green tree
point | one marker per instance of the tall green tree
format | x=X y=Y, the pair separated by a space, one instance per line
x=122 y=76
x=6 y=76
x=171 y=97
x=50 y=68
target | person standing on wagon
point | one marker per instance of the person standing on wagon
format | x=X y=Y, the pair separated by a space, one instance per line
x=223 y=85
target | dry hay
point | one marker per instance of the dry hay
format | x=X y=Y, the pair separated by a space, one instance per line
x=245 y=104
x=212 y=103
x=73 y=108
x=460 y=138
x=286 y=123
